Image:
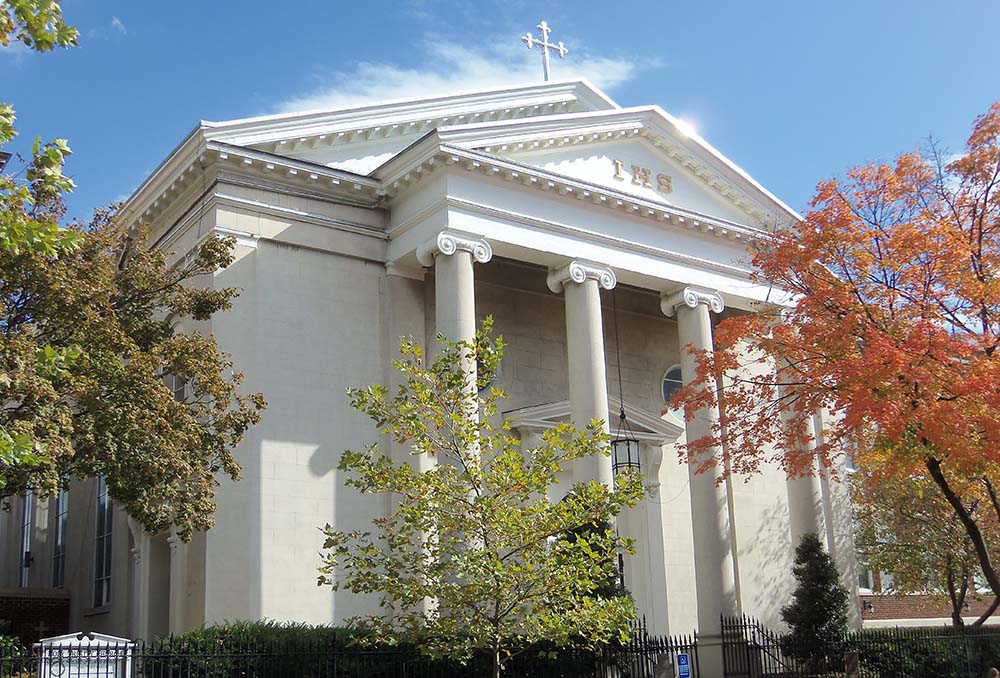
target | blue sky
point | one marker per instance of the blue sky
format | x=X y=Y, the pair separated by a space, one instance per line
x=793 y=92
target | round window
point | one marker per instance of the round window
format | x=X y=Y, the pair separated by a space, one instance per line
x=671 y=382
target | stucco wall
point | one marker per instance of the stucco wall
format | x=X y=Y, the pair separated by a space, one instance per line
x=305 y=330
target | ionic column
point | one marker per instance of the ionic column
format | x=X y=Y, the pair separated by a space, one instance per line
x=581 y=282
x=453 y=253
x=715 y=578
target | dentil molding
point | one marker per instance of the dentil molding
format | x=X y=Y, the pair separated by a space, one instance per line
x=579 y=272
x=448 y=242
x=691 y=297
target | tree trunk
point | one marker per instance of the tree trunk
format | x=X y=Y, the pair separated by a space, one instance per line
x=957 y=598
x=968 y=522
x=988 y=613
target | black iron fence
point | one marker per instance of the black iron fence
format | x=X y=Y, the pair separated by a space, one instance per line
x=644 y=656
x=752 y=651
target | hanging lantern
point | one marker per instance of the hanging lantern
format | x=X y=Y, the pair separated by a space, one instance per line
x=624 y=447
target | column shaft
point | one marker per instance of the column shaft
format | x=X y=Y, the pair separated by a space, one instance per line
x=581 y=284
x=454 y=296
x=453 y=254
x=178 y=583
x=805 y=497
x=588 y=383
x=714 y=574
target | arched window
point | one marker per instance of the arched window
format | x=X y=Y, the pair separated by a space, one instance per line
x=671 y=382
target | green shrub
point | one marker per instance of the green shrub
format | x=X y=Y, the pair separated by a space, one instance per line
x=250 y=649
x=240 y=634
x=817 y=615
x=935 y=652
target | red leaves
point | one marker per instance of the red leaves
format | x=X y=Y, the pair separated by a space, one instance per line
x=896 y=276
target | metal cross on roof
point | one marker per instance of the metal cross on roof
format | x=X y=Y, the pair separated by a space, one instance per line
x=530 y=40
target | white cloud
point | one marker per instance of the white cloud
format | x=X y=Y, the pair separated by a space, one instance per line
x=446 y=68
x=117 y=24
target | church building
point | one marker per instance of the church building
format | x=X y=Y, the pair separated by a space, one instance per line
x=601 y=240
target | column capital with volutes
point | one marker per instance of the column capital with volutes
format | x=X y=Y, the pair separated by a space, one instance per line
x=691 y=297
x=580 y=272
x=449 y=242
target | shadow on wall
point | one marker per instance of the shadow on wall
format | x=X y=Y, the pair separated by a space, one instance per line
x=843 y=545
x=295 y=346
x=771 y=581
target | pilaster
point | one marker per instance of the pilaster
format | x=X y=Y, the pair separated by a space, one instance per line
x=178 y=582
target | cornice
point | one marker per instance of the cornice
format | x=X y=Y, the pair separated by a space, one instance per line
x=652 y=123
x=580 y=272
x=191 y=166
x=427 y=158
x=292 y=132
x=691 y=297
x=658 y=429
x=567 y=229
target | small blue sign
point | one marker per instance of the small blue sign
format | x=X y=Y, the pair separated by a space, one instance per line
x=683 y=665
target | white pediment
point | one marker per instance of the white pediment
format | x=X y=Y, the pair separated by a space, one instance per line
x=646 y=427
x=642 y=151
x=359 y=139
x=636 y=167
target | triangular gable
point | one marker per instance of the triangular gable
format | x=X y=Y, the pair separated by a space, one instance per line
x=649 y=428
x=643 y=151
x=308 y=132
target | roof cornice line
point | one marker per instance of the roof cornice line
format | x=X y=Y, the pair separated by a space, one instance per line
x=252 y=154
x=508 y=102
x=621 y=117
x=148 y=201
x=696 y=155
x=445 y=154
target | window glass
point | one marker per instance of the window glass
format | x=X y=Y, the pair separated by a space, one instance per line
x=866 y=579
x=102 y=546
x=59 y=542
x=671 y=382
x=27 y=521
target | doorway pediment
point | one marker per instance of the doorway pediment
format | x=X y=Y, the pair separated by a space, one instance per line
x=648 y=428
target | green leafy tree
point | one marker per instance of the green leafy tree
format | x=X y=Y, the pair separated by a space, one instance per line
x=29 y=205
x=817 y=615
x=905 y=526
x=29 y=199
x=86 y=338
x=88 y=329
x=39 y=24
x=474 y=557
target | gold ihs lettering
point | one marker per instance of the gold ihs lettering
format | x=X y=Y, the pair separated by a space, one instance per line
x=640 y=176
x=619 y=170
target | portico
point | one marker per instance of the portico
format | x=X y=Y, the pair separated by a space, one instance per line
x=581 y=284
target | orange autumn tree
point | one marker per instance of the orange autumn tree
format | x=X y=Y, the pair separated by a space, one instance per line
x=893 y=325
